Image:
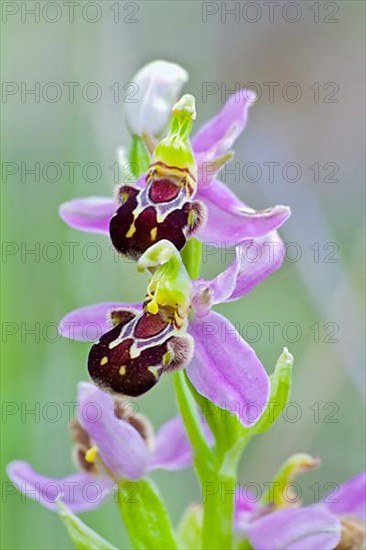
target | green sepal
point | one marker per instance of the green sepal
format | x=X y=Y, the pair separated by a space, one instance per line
x=81 y=535
x=280 y=382
x=145 y=516
x=138 y=157
x=192 y=257
x=190 y=528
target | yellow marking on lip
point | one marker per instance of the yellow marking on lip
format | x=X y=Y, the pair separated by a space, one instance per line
x=91 y=454
x=154 y=371
x=153 y=233
x=122 y=370
x=131 y=231
x=103 y=361
x=124 y=197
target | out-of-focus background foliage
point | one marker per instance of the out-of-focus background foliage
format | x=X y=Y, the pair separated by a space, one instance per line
x=37 y=292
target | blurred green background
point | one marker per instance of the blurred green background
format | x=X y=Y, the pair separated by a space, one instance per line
x=37 y=370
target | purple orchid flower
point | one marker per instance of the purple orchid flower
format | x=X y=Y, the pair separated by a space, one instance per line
x=111 y=443
x=229 y=220
x=337 y=522
x=220 y=364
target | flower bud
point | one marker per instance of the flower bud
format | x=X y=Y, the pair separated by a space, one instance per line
x=158 y=86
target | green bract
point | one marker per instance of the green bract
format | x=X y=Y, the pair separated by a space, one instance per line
x=81 y=535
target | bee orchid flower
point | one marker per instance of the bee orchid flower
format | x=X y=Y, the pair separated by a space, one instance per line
x=111 y=442
x=175 y=327
x=161 y=200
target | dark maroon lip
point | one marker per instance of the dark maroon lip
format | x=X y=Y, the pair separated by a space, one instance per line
x=116 y=369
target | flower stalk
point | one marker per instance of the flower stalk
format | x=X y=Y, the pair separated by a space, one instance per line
x=214 y=472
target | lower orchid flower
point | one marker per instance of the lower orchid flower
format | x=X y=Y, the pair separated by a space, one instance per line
x=277 y=521
x=111 y=443
x=176 y=328
x=160 y=204
x=336 y=522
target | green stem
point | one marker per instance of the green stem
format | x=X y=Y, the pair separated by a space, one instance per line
x=218 y=510
x=203 y=455
x=216 y=474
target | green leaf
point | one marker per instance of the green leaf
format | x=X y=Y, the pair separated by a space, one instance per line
x=280 y=381
x=138 y=157
x=145 y=516
x=190 y=528
x=81 y=535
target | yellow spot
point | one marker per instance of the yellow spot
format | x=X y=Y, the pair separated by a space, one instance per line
x=153 y=233
x=167 y=357
x=191 y=218
x=154 y=371
x=152 y=307
x=131 y=231
x=122 y=370
x=124 y=197
x=103 y=361
x=91 y=454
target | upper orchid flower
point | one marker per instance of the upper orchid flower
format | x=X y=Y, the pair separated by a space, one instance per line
x=175 y=328
x=162 y=209
x=335 y=523
x=229 y=220
x=111 y=444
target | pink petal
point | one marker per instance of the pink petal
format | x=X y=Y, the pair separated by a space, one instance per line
x=79 y=492
x=350 y=498
x=218 y=134
x=295 y=529
x=172 y=448
x=257 y=260
x=89 y=213
x=120 y=445
x=230 y=221
x=89 y=323
x=226 y=370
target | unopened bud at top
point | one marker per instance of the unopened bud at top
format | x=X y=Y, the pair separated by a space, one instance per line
x=158 y=86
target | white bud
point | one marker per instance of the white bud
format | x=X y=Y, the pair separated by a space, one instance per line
x=159 y=84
